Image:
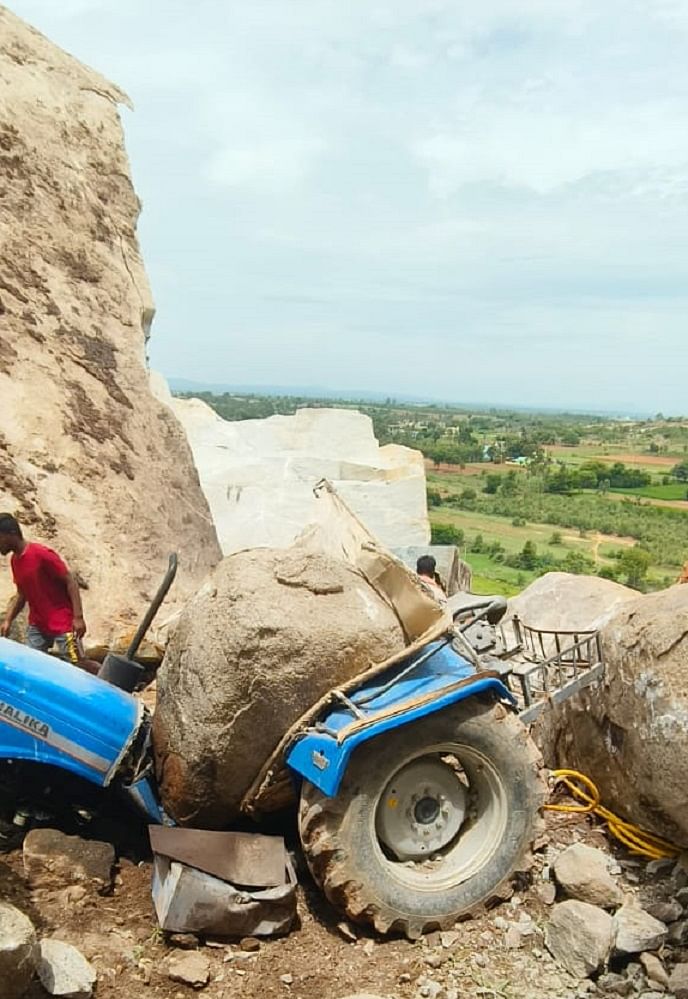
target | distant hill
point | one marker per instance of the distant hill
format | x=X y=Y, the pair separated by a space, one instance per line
x=299 y=391
x=366 y=395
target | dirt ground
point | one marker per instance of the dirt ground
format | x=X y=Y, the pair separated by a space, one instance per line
x=119 y=935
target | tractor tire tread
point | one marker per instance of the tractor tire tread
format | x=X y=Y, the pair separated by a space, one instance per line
x=332 y=869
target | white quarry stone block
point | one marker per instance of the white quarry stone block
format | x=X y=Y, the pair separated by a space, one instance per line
x=258 y=475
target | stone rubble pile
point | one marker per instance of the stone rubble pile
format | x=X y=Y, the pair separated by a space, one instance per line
x=586 y=926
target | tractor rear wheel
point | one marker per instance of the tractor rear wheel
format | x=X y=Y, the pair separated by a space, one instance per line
x=431 y=822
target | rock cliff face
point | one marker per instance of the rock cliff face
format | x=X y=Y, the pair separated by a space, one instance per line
x=90 y=462
x=258 y=475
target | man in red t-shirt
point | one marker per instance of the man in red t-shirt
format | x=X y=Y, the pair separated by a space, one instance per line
x=45 y=583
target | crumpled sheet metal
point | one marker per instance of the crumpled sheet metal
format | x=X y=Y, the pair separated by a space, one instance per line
x=189 y=901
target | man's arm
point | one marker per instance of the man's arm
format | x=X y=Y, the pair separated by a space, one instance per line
x=75 y=598
x=16 y=606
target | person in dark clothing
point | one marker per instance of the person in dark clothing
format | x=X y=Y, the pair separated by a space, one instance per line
x=426 y=568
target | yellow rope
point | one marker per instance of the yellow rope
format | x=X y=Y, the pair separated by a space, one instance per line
x=643 y=843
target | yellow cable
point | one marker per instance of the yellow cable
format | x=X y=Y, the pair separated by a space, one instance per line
x=643 y=843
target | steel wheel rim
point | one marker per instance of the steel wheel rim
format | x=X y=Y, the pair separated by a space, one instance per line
x=476 y=840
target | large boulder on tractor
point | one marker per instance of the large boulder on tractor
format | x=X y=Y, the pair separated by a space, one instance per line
x=630 y=735
x=267 y=635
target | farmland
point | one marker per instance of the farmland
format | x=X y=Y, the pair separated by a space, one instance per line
x=523 y=493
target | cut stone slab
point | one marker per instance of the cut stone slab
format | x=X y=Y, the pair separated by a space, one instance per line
x=678 y=981
x=189 y=967
x=258 y=475
x=64 y=971
x=579 y=936
x=54 y=860
x=583 y=873
x=18 y=951
x=636 y=931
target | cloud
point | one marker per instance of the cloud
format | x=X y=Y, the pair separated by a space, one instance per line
x=382 y=192
x=523 y=145
x=275 y=166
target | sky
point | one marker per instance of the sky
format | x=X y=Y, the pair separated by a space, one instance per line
x=468 y=200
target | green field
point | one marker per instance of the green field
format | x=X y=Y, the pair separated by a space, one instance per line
x=492 y=576
x=672 y=491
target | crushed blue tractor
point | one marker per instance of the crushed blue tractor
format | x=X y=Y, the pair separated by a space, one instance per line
x=420 y=788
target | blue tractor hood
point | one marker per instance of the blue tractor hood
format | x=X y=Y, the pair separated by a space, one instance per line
x=52 y=712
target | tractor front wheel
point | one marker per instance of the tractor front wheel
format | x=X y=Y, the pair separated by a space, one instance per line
x=431 y=822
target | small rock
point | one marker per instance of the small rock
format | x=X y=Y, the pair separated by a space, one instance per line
x=54 y=860
x=185 y=941
x=654 y=969
x=682 y=897
x=74 y=894
x=501 y=923
x=525 y=925
x=369 y=948
x=636 y=931
x=286 y=979
x=434 y=961
x=665 y=912
x=678 y=981
x=547 y=892
x=64 y=971
x=346 y=931
x=579 y=936
x=189 y=967
x=512 y=938
x=614 y=984
x=635 y=975
x=430 y=989
x=679 y=875
x=678 y=932
x=449 y=938
x=582 y=873
x=19 y=951
x=655 y=867
x=249 y=944
x=651 y=995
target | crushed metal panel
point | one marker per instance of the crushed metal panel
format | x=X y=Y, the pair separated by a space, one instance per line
x=248 y=859
x=189 y=901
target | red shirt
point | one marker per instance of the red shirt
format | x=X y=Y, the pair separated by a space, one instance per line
x=40 y=574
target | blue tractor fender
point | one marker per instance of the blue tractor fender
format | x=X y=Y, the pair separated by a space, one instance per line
x=54 y=713
x=431 y=682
